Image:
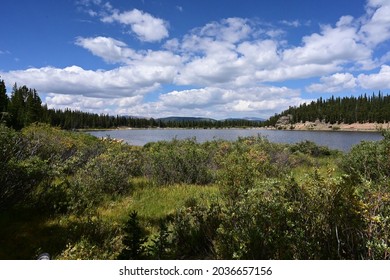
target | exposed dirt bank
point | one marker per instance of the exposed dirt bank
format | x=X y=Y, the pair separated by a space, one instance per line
x=336 y=127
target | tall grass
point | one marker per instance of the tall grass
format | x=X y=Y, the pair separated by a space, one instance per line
x=156 y=202
x=153 y=202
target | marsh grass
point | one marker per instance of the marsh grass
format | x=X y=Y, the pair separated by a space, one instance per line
x=153 y=202
x=326 y=166
x=156 y=202
x=54 y=233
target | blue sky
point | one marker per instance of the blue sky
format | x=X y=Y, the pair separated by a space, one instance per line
x=209 y=58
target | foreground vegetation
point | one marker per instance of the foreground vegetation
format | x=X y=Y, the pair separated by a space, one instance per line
x=79 y=197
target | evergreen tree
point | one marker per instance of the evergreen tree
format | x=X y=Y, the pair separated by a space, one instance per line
x=337 y=110
x=134 y=239
x=17 y=106
x=4 y=100
x=3 y=97
x=25 y=107
x=34 y=110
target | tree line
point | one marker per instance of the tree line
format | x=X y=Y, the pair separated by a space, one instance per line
x=24 y=107
x=361 y=109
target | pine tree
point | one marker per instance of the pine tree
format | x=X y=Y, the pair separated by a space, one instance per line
x=33 y=107
x=134 y=239
x=17 y=106
x=4 y=100
x=375 y=108
x=3 y=97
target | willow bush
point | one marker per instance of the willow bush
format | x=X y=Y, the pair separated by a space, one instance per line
x=278 y=219
x=178 y=161
x=20 y=173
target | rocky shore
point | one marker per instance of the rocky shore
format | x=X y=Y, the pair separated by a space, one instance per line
x=286 y=124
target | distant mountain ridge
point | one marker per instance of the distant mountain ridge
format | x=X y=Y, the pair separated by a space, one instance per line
x=185 y=119
x=255 y=119
x=196 y=119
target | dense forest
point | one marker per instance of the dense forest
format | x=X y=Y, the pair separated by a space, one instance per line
x=24 y=107
x=374 y=108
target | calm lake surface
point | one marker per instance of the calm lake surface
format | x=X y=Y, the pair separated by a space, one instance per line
x=333 y=139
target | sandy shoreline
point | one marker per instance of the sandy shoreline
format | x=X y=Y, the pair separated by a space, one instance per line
x=320 y=126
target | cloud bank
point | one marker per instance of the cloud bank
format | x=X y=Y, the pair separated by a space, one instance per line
x=227 y=68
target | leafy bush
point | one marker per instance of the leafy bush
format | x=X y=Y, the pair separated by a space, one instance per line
x=369 y=160
x=65 y=154
x=178 y=161
x=20 y=174
x=82 y=250
x=91 y=239
x=245 y=162
x=368 y=166
x=106 y=175
x=194 y=230
x=65 y=151
x=81 y=169
x=310 y=148
x=282 y=220
x=376 y=202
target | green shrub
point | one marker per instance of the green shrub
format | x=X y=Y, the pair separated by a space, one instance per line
x=91 y=239
x=107 y=175
x=375 y=198
x=19 y=172
x=178 y=161
x=368 y=161
x=368 y=166
x=278 y=219
x=310 y=148
x=161 y=247
x=245 y=162
x=194 y=230
x=81 y=169
x=65 y=151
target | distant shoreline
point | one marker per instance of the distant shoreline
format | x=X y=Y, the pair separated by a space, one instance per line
x=321 y=126
x=164 y=128
x=306 y=126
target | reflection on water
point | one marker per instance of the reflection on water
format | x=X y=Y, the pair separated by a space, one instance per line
x=333 y=139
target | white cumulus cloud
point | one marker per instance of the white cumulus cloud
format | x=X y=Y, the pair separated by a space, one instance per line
x=376 y=26
x=74 y=80
x=213 y=102
x=147 y=27
x=378 y=81
x=338 y=44
x=334 y=83
x=111 y=50
x=228 y=67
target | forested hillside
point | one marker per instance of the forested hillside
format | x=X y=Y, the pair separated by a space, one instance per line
x=373 y=108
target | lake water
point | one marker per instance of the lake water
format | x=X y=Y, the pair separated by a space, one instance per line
x=339 y=140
